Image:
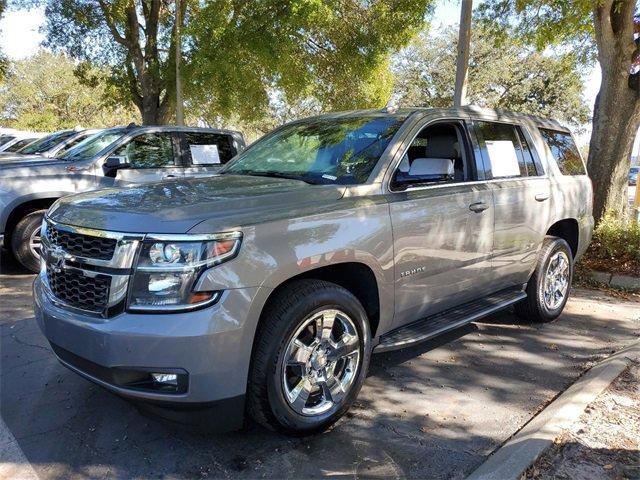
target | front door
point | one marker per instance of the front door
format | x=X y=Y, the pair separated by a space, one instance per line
x=442 y=220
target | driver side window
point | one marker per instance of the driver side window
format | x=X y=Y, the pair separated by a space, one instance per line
x=437 y=155
x=150 y=150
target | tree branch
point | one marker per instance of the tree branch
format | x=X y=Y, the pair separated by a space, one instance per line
x=111 y=24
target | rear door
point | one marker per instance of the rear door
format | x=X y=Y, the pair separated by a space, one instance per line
x=149 y=157
x=203 y=153
x=442 y=220
x=522 y=199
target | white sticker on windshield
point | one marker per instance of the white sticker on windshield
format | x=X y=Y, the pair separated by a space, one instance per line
x=503 y=158
x=204 y=154
x=330 y=177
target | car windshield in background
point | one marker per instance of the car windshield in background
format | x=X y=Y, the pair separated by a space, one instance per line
x=5 y=139
x=45 y=143
x=90 y=146
x=20 y=144
x=324 y=150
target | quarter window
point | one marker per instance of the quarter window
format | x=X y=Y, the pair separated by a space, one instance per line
x=564 y=151
x=151 y=150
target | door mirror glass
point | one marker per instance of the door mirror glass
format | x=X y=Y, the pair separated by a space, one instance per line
x=116 y=161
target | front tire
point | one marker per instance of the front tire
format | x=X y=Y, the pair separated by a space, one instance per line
x=549 y=287
x=25 y=240
x=310 y=358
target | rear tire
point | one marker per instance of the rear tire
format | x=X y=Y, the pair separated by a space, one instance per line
x=24 y=238
x=549 y=286
x=311 y=355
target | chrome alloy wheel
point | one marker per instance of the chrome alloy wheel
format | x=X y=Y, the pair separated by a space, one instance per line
x=556 y=281
x=35 y=243
x=321 y=362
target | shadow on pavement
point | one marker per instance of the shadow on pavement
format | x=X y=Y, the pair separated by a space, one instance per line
x=432 y=411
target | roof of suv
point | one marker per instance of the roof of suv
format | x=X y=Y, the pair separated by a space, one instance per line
x=172 y=128
x=448 y=112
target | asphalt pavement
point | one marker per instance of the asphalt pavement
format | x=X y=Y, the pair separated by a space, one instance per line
x=433 y=411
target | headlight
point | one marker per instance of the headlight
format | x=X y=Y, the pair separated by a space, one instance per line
x=168 y=268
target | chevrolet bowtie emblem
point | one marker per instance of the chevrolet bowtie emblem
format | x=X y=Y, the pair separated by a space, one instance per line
x=57 y=259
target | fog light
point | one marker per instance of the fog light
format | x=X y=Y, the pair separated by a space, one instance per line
x=165 y=378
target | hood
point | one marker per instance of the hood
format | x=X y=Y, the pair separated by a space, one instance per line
x=176 y=206
x=13 y=161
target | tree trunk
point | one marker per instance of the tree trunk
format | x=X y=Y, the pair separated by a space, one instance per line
x=616 y=116
x=616 y=120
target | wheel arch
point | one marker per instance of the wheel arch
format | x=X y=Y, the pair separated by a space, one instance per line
x=356 y=277
x=24 y=206
x=568 y=229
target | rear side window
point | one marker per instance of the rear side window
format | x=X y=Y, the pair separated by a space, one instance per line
x=209 y=148
x=564 y=151
x=502 y=151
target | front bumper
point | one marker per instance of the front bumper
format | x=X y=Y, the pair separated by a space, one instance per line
x=212 y=346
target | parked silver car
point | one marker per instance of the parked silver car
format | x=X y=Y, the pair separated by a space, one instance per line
x=48 y=146
x=118 y=156
x=265 y=289
x=11 y=143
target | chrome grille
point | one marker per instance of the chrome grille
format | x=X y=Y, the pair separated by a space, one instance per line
x=81 y=245
x=77 y=290
x=87 y=269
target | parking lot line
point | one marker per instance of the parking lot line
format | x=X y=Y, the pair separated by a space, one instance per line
x=13 y=463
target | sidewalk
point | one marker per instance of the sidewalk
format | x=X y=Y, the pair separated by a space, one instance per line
x=604 y=442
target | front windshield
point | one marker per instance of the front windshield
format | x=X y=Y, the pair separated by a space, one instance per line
x=46 y=143
x=19 y=144
x=322 y=150
x=90 y=146
x=5 y=139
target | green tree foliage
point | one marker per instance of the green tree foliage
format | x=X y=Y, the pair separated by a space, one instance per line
x=601 y=30
x=520 y=78
x=3 y=59
x=43 y=93
x=236 y=53
x=333 y=52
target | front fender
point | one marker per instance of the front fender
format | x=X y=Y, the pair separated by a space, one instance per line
x=274 y=252
x=9 y=203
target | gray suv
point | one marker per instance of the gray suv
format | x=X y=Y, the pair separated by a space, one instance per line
x=122 y=156
x=265 y=289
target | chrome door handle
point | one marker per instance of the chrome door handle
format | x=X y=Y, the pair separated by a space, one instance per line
x=170 y=176
x=541 y=197
x=478 y=207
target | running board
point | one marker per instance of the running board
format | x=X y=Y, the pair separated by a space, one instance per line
x=442 y=322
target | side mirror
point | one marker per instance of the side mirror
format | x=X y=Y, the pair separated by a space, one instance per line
x=116 y=161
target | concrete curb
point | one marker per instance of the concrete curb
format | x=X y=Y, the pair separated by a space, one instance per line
x=614 y=280
x=515 y=456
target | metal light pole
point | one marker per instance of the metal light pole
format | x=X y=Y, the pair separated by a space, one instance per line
x=462 y=67
x=179 y=103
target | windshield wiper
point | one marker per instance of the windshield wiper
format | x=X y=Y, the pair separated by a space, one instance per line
x=271 y=174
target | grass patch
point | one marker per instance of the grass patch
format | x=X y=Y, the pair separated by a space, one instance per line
x=615 y=248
